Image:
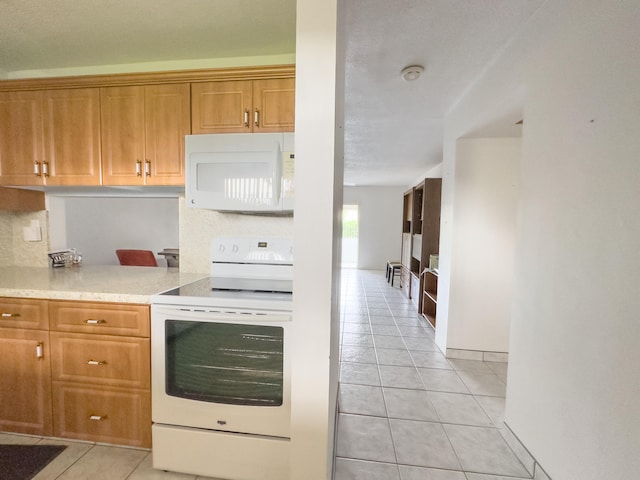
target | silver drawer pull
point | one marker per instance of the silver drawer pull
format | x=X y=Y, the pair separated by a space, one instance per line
x=96 y=362
x=97 y=418
x=94 y=321
x=10 y=315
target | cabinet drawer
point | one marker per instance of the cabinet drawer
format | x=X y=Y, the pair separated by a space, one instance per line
x=106 y=318
x=24 y=313
x=102 y=414
x=101 y=359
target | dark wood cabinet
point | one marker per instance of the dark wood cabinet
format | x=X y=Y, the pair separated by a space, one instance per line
x=420 y=240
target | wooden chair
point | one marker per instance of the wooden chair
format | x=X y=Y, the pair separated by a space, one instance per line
x=393 y=269
x=140 y=258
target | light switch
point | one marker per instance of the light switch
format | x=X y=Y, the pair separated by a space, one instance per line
x=32 y=233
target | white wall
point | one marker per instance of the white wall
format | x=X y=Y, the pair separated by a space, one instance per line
x=487 y=179
x=572 y=395
x=97 y=226
x=379 y=224
x=317 y=236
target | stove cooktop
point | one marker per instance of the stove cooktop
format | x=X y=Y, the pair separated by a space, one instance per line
x=201 y=293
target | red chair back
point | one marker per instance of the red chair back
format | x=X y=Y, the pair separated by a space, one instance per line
x=140 y=258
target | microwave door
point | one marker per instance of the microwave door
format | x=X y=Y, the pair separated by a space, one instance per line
x=236 y=181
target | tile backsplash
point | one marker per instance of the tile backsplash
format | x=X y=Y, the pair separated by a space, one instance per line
x=14 y=250
x=198 y=226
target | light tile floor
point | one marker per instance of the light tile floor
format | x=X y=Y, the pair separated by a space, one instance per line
x=90 y=461
x=406 y=412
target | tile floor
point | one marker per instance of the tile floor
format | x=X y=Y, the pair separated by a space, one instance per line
x=89 y=461
x=405 y=411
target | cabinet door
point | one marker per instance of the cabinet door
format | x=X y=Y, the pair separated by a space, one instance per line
x=102 y=414
x=21 y=137
x=72 y=136
x=25 y=385
x=167 y=121
x=122 y=116
x=221 y=107
x=273 y=105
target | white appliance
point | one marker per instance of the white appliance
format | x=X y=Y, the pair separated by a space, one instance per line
x=243 y=172
x=220 y=365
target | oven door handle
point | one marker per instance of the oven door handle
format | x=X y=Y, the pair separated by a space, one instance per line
x=212 y=314
x=245 y=316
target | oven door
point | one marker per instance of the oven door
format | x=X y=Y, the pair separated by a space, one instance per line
x=221 y=370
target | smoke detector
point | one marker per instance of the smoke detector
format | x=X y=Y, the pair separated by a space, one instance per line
x=412 y=72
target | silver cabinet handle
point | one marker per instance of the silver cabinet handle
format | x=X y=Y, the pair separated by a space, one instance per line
x=94 y=321
x=39 y=351
x=256 y=118
x=138 y=168
x=147 y=168
x=36 y=169
x=96 y=362
x=45 y=169
x=97 y=418
x=10 y=315
x=246 y=118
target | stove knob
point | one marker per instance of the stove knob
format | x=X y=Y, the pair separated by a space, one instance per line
x=235 y=249
x=221 y=248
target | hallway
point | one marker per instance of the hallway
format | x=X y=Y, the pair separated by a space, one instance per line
x=405 y=411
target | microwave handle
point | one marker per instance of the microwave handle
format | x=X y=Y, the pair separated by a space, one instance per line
x=277 y=174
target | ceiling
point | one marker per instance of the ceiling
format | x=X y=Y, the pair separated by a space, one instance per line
x=393 y=128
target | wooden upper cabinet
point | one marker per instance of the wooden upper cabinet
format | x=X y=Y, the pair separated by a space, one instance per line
x=122 y=114
x=50 y=137
x=21 y=138
x=243 y=106
x=167 y=121
x=143 y=129
x=221 y=107
x=71 y=137
x=129 y=129
x=274 y=105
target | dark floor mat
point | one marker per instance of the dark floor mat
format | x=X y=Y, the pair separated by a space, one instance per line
x=23 y=462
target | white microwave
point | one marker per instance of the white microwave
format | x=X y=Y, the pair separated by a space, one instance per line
x=240 y=172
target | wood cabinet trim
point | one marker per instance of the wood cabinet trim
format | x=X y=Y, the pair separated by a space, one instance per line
x=151 y=78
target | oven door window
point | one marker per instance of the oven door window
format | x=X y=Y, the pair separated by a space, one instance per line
x=224 y=362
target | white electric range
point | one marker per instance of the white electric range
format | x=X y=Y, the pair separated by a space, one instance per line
x=220 y=365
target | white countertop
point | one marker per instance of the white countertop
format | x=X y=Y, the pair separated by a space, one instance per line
x=102 y=283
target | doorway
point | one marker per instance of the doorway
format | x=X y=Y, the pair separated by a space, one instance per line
x=350 y=236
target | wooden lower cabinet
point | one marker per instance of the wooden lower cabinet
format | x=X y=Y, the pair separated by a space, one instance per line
x=100 y=359
x=102 y=414
x=78 y=370
x=120 y=319
x=430 y=296
x=25 y=368
x=415 y=290
x=405 y=281
x=25 y=381
x=101 y=372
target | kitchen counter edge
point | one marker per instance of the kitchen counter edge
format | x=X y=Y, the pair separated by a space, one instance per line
x=108 y=283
